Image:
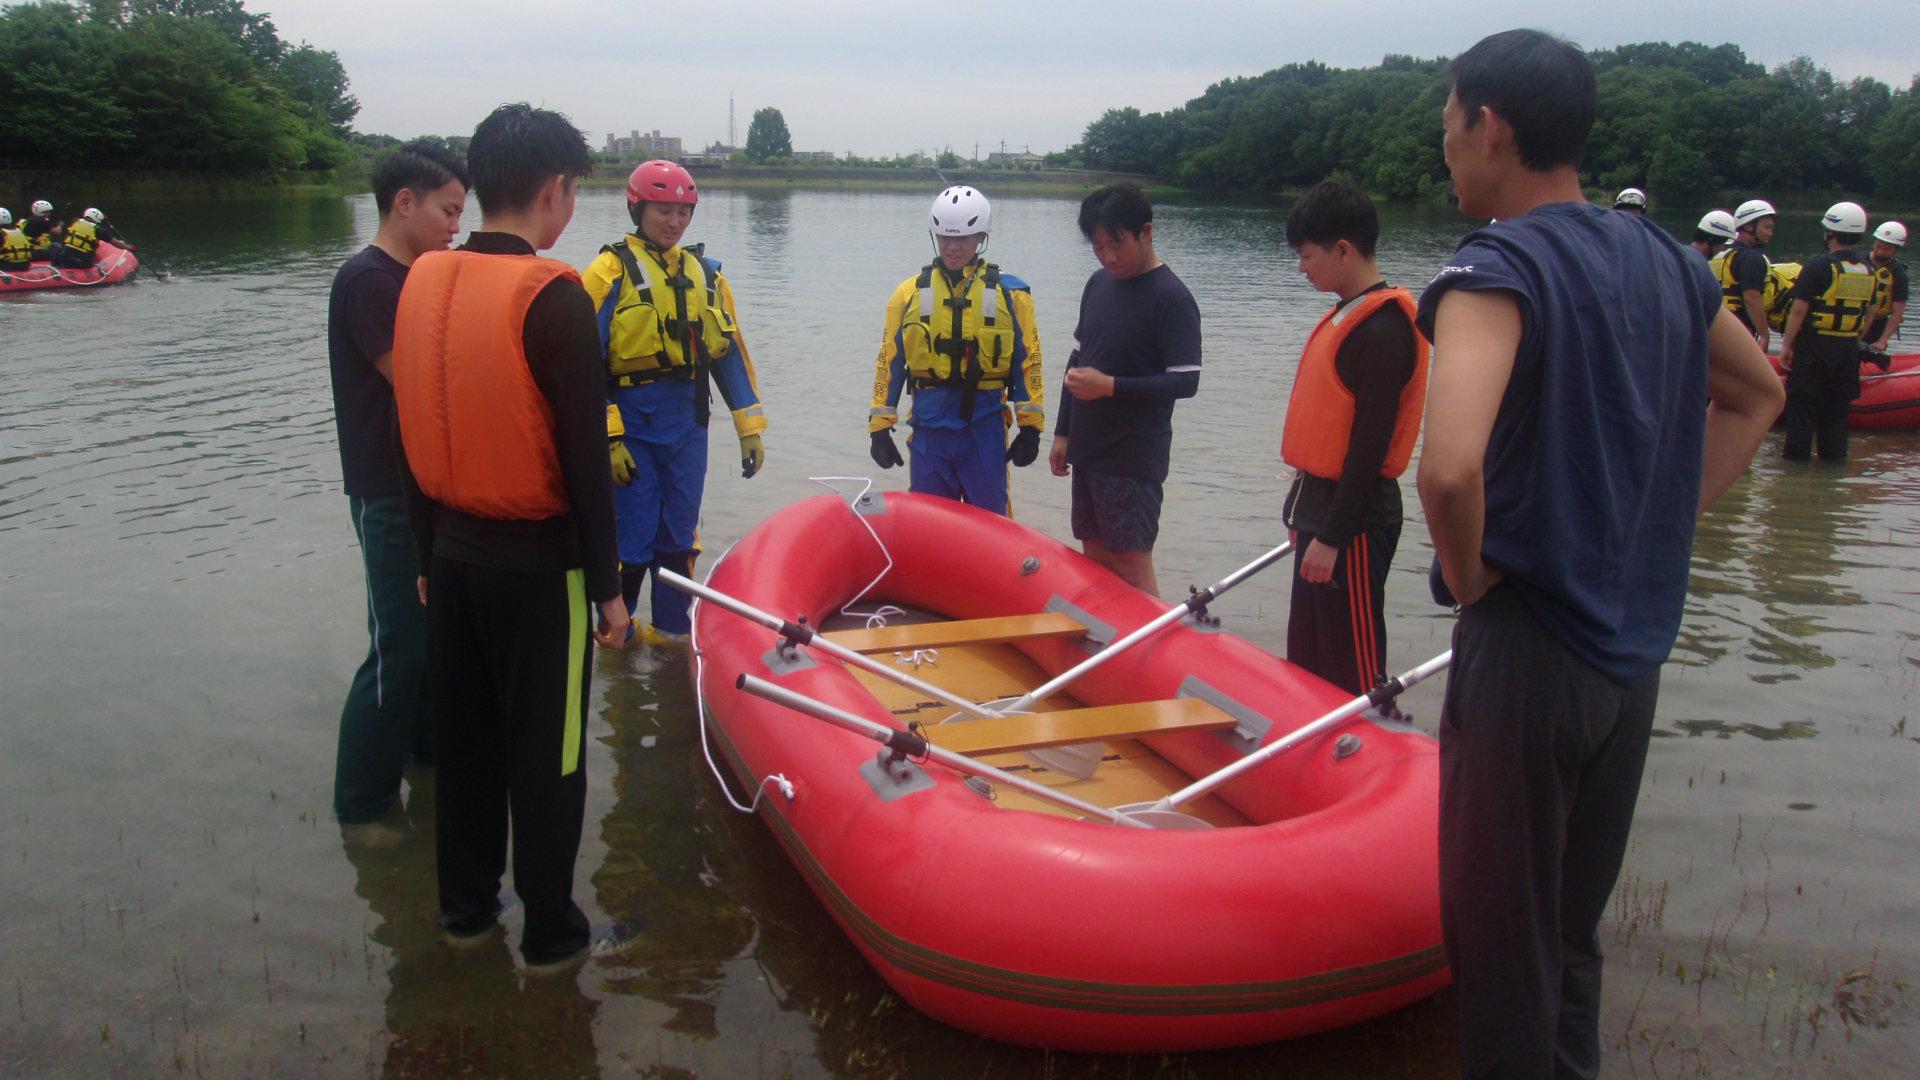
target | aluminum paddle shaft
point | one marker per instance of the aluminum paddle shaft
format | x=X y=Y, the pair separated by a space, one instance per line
x=915 y=745
x=1193 y=605
x=1381 y=695
x=799 y=634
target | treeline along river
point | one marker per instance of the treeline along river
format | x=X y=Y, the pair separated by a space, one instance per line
x=181 y=601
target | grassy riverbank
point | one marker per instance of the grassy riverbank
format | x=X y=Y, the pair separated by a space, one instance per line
x=21 y=185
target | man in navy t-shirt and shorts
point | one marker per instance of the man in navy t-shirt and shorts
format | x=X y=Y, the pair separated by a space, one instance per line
x=1136 y=351
x=419 y=191
x=1589 y=396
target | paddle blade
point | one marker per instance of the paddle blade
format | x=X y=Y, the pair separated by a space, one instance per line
x=1150 y=814
x=1079 y=761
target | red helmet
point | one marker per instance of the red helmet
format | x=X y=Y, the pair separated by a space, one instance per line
x=661 y=181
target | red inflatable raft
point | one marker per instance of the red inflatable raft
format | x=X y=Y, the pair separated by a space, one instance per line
x=1311 y=903
x=114 y=265
x=1888 y=400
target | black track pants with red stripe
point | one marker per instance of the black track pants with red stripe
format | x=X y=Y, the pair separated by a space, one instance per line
x=1338 y=630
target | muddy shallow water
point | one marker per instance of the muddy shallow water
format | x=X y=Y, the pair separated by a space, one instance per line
x=182 y=609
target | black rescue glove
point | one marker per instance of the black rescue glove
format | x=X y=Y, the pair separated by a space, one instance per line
x=885 y=454
x=1026 y=447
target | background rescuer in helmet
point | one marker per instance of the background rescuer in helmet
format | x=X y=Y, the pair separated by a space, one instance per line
x=42 y=228
x=962 y=334
x=668 y=326
x=1889 y=306
x=1821 y=349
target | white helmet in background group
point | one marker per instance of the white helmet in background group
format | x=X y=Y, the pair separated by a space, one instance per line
x=1891 y=233
x=42 y=206
x=94 y=216
x=6 y=217
x=1845 y=217
x=1751 y=211
x=960 y=211
x=1632 y=196
x=1719 y=223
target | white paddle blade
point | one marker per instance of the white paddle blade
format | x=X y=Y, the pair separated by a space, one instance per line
x=1161 y=819
x=1079 y=761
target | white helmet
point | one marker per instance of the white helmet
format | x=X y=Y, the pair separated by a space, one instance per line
x=42 y=206
x=960 y=211
x=1718 y=223
x=1751 y=211
x=94 y=216
x=1632 y=196
x=1845 y=217
x=1891 y=233
x=6 y=217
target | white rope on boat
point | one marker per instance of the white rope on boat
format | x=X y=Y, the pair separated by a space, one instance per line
x=778 y=780
x=879 y=616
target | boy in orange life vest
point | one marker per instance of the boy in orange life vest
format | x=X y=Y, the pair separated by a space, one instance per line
x=501 y=392
x=1351 y=425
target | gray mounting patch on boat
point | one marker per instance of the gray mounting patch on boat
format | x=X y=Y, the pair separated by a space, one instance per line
x=1205 y=624
x=1099 y=634
x=1252 y=725
x=892 y=776
x=785 y=659
x=866 y=503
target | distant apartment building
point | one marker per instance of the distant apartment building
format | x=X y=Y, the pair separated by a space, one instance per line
x=820 y=157
x=636 y=145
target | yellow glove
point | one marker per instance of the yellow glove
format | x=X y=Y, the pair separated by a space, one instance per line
x=622 y=462
x=752 y=456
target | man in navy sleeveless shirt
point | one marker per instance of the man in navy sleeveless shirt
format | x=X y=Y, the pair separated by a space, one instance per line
x=1589 y=397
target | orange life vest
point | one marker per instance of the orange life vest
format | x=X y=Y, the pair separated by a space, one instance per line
x=1320 y=411
x=479 y=434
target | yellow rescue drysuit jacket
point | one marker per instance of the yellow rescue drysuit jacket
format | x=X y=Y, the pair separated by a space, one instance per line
x=962 y=347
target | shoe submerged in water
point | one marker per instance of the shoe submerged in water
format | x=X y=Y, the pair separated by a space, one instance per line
x=603 y=945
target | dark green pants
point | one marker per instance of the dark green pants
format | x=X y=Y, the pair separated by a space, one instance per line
x=385 y=718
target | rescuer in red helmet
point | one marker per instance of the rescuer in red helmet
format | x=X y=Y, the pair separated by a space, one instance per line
x=668 y=327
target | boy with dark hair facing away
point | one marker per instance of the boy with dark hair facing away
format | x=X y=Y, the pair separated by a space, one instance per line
x=502 y=399
x=1589 y=397
x=419 y=191
x=1352 y=420
x=1136 y=350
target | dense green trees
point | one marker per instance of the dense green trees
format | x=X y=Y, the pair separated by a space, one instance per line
x=767 y=136
x=195 y=84
x=1689 y=122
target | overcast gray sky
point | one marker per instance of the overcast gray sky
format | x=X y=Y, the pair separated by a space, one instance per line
x=886 y=78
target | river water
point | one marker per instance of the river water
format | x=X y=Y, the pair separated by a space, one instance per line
x=183 y=607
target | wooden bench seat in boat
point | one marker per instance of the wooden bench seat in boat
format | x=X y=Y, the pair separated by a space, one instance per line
x=939 y=635
x=1039 y=730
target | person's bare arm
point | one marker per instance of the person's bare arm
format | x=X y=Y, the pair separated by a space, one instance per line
x=1795 y=317
x=1476 y=336
x=1894 y=318
x=1757 y=309
x=1744 y=397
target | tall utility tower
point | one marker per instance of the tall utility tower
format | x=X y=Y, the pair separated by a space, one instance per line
x=731 y=141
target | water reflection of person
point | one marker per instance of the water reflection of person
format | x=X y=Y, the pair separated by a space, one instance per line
x=1797 y=564
x=459 y=1009
x=660 y=862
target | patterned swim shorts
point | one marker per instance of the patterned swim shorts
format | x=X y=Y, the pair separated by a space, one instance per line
x=1122 y=512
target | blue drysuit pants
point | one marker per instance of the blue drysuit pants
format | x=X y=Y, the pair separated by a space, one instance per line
x=658 y=517
x=968 y=464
